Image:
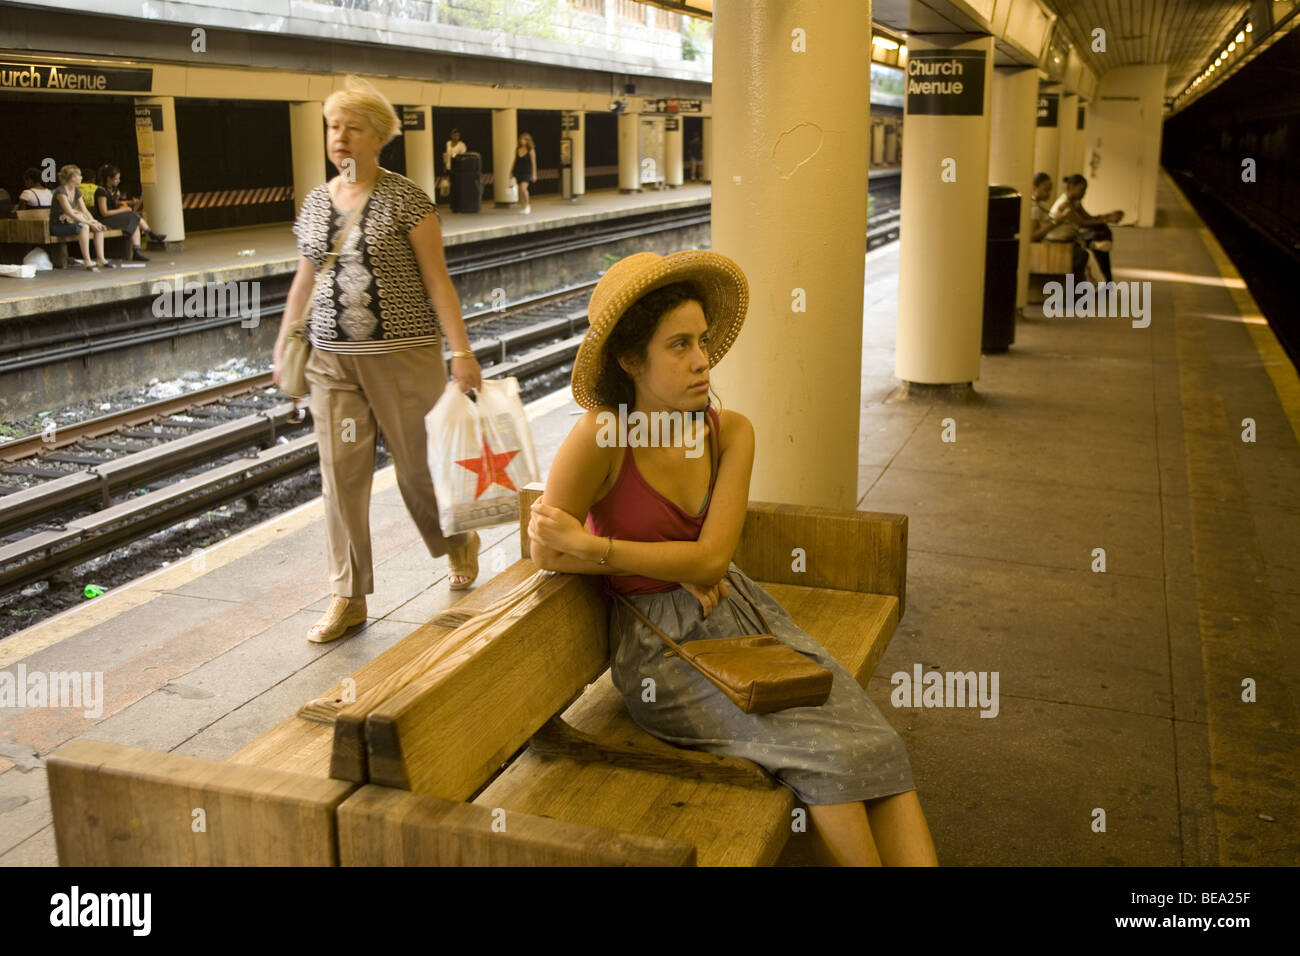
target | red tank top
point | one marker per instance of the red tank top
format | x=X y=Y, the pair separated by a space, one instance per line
x=634 y=511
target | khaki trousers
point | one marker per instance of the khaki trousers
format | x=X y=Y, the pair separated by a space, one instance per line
x=350 y=394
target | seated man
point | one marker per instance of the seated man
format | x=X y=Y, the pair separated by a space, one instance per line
x=1088 y=229
x=1047 y=228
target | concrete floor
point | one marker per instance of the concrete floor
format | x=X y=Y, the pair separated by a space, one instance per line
x=1120 y=693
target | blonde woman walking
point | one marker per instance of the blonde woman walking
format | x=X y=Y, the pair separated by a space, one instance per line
x=376 y=357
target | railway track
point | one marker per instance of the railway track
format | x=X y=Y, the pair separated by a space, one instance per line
x=83 y=490
x=91 y=489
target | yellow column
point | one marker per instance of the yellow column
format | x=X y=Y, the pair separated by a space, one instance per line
x=505 y=140
x=161 y=186
x=579 y=136
x=629 y=151
x=789 y=204
x=673 y=151
x=1011 y=152
x=419 y=150
x=1047 y=136
x=945 y=213
x=1067 y=162
x=307 y=143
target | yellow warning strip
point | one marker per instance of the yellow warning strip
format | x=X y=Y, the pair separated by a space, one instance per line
x=1239 y=633
x=1286 y=381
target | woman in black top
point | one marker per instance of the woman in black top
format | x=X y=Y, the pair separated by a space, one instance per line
x=70 y=217
x=525 y=168
x=118 y=215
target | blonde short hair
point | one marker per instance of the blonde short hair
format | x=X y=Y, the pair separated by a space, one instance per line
x=360 y=97
x=67 y=172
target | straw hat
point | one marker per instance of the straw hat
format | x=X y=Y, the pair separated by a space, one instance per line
x=720 y=281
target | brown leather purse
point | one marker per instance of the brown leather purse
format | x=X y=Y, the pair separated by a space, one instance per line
x=756 y=671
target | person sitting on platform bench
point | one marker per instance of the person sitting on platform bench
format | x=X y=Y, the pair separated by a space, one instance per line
x=658 y=324
x=1046 y=228
x=34 y=195
x=1088 y=229
x=69 y=217
x=119 y=215
x=88 y=186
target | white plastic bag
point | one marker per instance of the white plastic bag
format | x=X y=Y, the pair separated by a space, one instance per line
x=38 y=258
x=480 y=455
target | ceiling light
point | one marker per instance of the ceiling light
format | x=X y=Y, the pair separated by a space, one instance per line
x=902 y=50
x=1241 y=35
x=884 y=42
x=1231 y=47
x=1249 y=27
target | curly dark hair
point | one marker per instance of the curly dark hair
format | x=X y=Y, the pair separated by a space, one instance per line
x=631 y=337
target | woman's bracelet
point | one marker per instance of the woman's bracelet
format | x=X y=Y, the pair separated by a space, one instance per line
x=462 y=355
x=607 y=551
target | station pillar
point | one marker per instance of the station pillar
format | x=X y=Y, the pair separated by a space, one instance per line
x=945 y=210
x=791 y=100
x=419 y=149
x=1047 y=136
x=629 y=150
x=673 y=150
x=1011 y=152
x=578 y=133
x=161 y=186
x=1067 y=163
x=505 y=140
x=307 y=143
x=706 y=149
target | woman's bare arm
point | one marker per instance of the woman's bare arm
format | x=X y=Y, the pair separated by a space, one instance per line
x=580 y=468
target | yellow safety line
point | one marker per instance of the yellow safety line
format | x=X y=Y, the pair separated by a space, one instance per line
x=1229 y=570
x=1286 y=382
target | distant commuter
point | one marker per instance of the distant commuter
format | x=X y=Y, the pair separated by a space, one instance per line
x=525 y=169
x=119 y=215
x=695 y=157
x=376 y=356
x=70 y=217
x=1046 y=228
x=455 y=147
x=1088 y=229
x=34 y=194
x=88 y=186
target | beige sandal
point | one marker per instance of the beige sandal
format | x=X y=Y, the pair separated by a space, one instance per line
x=343 y=614
x=464 y=564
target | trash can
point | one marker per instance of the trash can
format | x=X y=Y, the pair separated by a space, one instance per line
x=1001 y=259
x=467 y=183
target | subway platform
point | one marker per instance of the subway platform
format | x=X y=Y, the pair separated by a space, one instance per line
x=1120 y=690
x=256 y=252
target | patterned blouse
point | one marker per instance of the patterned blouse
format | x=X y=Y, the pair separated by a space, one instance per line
x=373 y=299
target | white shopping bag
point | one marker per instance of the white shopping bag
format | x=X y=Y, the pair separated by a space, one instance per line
x=480 y=455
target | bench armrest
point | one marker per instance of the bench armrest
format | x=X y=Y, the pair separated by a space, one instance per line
x=847 y=550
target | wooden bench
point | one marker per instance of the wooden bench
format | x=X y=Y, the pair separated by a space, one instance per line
x=32 y=228
x=492 y=735
x=1047 y=259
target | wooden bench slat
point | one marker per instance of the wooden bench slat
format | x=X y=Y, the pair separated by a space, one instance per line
x=854 y=628
x=379 y=826
x=445 y=733
x=124 y=806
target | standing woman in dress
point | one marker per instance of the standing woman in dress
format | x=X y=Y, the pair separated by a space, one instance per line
x=376 y=356
x=69 y=217
x=525 y=169
x=663 y=525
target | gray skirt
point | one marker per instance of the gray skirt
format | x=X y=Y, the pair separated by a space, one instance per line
x=838 y=752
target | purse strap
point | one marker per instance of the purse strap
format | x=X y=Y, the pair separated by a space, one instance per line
x=335 y=248
x=715 y=453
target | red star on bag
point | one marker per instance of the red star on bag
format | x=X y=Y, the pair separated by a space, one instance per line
x=490 y=468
